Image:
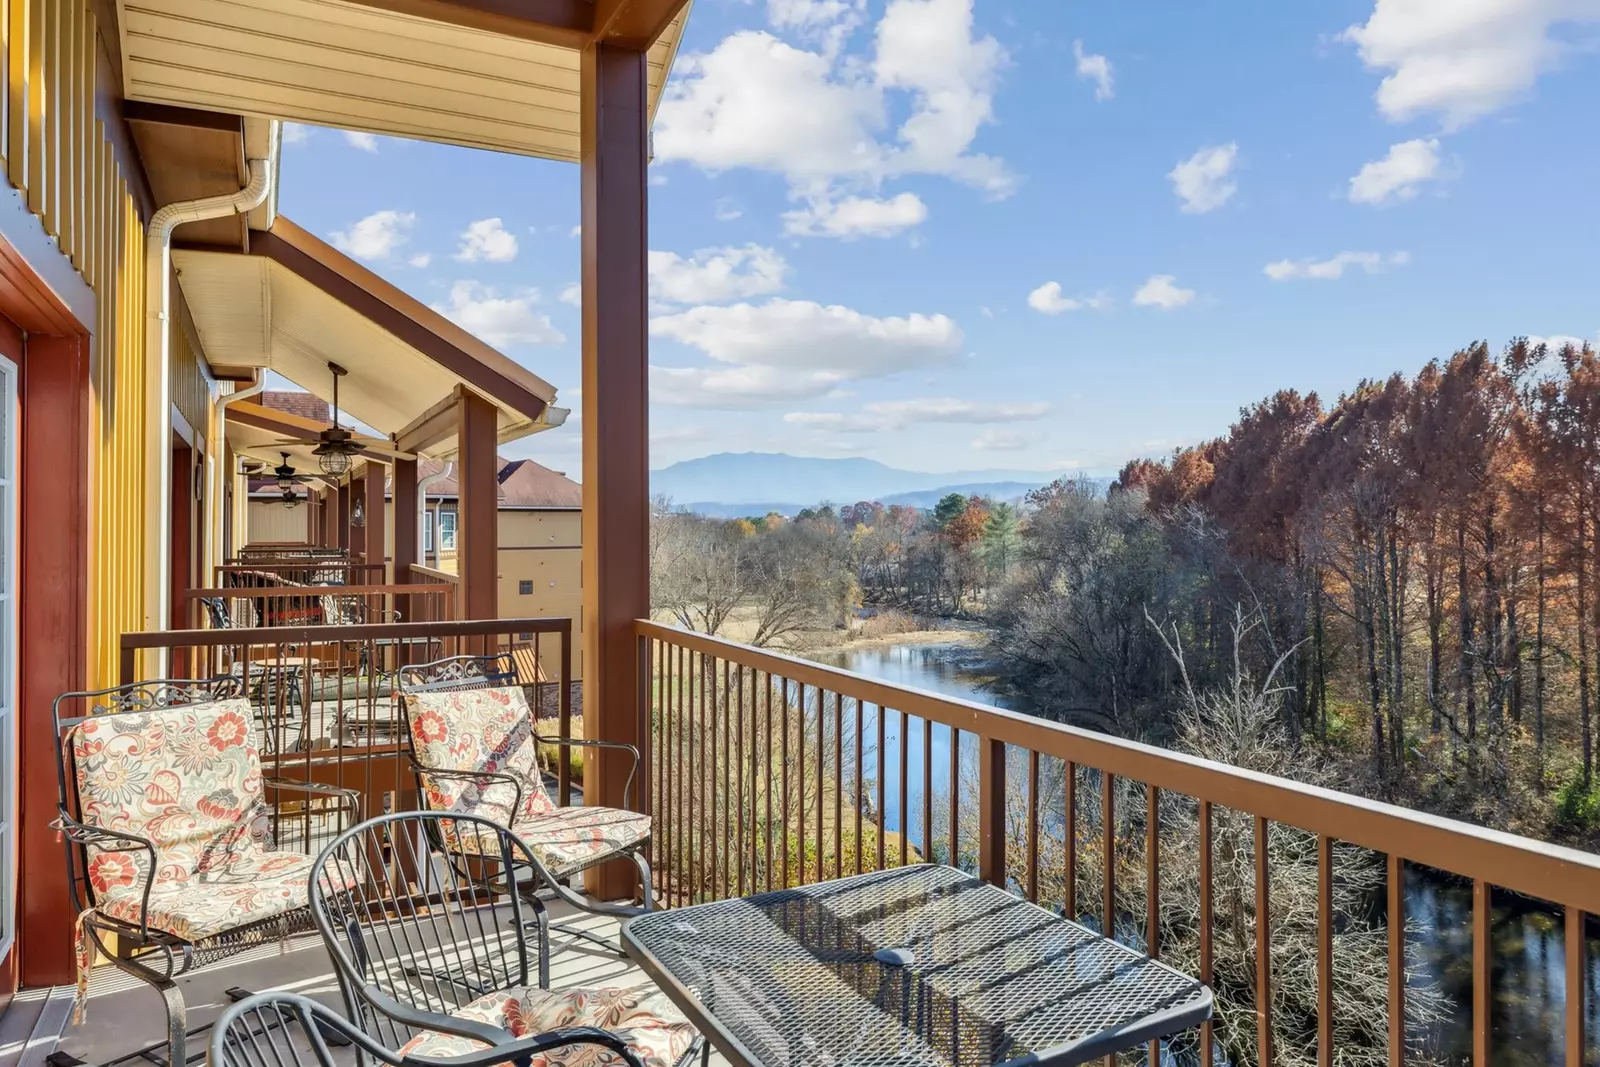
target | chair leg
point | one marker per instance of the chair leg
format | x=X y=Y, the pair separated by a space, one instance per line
x=177 y=1024
x=644 y=878
x=541 y=915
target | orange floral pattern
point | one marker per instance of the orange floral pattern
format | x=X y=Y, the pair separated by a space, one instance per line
x=188 y=779
x=643 y=1018
x=478 y=730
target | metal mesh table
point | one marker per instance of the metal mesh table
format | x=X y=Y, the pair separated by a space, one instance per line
x=796 y=978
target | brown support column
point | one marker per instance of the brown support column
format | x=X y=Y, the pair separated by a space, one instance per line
x=478 y=513
x=405 y=520
x=341 y=518
x=52 y=652
x=372 y=504
x=616 y=478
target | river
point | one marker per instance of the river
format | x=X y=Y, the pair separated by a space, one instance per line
x=1530 y=957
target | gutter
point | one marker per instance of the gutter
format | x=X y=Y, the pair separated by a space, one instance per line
x=158 y=378
x=240 y=520
x=423 y=485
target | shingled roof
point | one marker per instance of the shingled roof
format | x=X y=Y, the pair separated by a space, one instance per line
x=523 y=484
x=296 y=402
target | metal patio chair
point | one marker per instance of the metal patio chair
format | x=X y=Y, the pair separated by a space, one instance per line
x=433 y=956
x=474 y=747
x=168 y=835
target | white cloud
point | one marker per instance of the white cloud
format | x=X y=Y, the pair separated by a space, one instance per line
x=1396 y=177
x=1334 y=268
x=897 y=414
x=716 y=275
x=856 y=216
x=498 y=320
x=804 y=14
x=364 y=141
x=572 y=294
x=823 y=121
x=1094 y=68
x=421 y=259
x=1048 y=300
x=295 y=133
x=375 y=236
x=793 y=349
x=1204 y=181
x=487 y=240
x=1463 y=59
x=1558 y=341
x=1162 y=291
x=1004 y=441
x=726 y=210
x=576 y=231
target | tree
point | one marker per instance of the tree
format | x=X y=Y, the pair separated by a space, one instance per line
x=1000 y=539
x=948 y=509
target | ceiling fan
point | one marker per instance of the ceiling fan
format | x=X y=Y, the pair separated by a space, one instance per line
x=337 y=447
x=286 y=476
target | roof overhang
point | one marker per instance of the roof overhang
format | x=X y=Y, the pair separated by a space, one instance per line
x=495 y=74
x=293 y=305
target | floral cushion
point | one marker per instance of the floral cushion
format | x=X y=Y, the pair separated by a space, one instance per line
x=642 y=1017
x=187 y=778
x=478 y=730
x=566 y=839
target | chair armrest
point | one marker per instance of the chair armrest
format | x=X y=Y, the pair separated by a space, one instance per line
x=575 y=742
x=522 y=1050
x=350 y=798
x=83 y=835
x=477 y=776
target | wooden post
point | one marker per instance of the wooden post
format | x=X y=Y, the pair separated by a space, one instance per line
x=991 y=811
x=372 y=507
x=616 y=479
x=405 y=522
x=341 y=518
x=478 y=508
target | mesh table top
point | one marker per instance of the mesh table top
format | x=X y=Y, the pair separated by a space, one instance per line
x=790 y=979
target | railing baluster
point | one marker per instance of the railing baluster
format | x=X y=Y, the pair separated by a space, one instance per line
x=955 y=797
x=883 y=774
x=1207 y=1050
x=1108 y=861
x=769 y=834
x=860 y=726
x=1263 y=949
x=838 y=785
x=723 y=853
x=1324 y=951
x=822 y=781
x=801 y=809
x=1482 y=955
x=927 y=790
x=1397 y=960
x=706 y=726
x=1069 y=818
x=739 y=819
x=1033 y=826
x=1576 y=973
x=905 y=816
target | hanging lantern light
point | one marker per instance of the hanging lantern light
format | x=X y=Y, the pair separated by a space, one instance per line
x=358 y=514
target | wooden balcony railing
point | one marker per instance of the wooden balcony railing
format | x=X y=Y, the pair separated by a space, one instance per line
x=324 y=700
x=767 y=771
x=317 y=605
x=294 y=572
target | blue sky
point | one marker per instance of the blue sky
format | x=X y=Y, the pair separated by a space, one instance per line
x=859 y=207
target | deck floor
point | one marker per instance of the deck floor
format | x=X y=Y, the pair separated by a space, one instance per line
x=125 y=1015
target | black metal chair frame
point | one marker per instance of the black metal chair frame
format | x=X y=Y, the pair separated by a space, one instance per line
x=254 y=1033
x=496 y=669
x=378 y=882
x=155 y=956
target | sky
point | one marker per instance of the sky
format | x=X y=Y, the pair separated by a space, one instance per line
x=1042 y=234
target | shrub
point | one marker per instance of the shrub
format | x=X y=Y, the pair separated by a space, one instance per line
x=1578 y=807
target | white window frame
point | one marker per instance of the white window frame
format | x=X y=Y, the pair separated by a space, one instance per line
x=447 y=531
x=427 y=534
x=10 y=531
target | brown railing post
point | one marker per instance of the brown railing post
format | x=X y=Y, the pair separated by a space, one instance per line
x=564 y=711
x=991 y=810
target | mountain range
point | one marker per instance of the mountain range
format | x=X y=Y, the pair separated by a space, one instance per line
x=746 y=483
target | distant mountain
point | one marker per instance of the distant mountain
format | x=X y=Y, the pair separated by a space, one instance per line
x=747 y=482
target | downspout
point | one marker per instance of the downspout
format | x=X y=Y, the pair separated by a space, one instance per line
x=241 y=482
x=158 y=379
x=423 y=485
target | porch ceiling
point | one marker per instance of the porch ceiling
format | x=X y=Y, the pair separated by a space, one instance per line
x=292 y=305
x=459 y=71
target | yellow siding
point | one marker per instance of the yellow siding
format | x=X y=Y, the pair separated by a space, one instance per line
x=57 y=154
x=191 y=391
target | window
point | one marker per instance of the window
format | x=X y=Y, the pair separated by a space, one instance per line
x=8 y=651
x=525 y=588
x=427 y=534
x=447 y=531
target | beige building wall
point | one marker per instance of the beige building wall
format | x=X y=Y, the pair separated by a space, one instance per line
x=269 y=522
x=539 y=574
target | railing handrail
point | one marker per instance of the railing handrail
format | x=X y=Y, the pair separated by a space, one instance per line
x=1565 y=876
x=257 y=592
x=436 y=574
x=314 y=633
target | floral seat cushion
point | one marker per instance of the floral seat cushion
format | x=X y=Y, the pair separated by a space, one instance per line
x=188 y=779
x=567 y=839
x=643 y=1017
x=474 y=730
